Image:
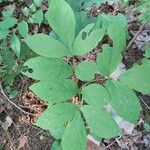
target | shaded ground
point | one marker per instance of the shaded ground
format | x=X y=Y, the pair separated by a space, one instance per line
x=17 y=132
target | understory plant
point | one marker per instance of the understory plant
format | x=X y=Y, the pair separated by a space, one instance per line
x=98 y=106
x=13 y=28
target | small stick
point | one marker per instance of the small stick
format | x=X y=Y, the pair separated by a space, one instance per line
x=135 y=36
x=7 y=134
x=144 y=103
x=132 y=20
x=17 y=129
x=3 y=93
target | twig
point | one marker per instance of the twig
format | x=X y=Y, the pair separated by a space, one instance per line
x=17 y=129
x=133 y=20
x=7 y=134
x=135 y=36
x=109 y=145
x=113 y=142
x=3 y=93
x=135 y=139
x=144 y=103
x=18 y=140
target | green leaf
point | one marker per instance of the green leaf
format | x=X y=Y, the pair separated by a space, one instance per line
x=15 y=45
x=55 y=91
x=45 y=69
x=57 y=133
x=75 y=5
x=95 y=94
x=103 y=60
x=30 y=20
x=110 y=20
x=8 y=13
x=87 y=39
x=13 y=94
x=3 y=33
x=147 y=51
x=56 y=117
x=138 y=77
x=26 y=11
x=75 y=135
x=23 y=29
x=86 y=70
x=143 y=4
x=46 y=46
x=8 y=23
x=8 y=59
x=38 y=17
x=124 y=101
x=100 y=122
x=83 y=20
x=115 y=23
x=56 y=146
x=111 y=57
x=32 y=7
x=145 y=17
x=89 y=3
x=26 y=52
x=118 y=45
x=38 y=2
x=62 y=20
x=146 y=126
x=84 y=4
x=1 y=59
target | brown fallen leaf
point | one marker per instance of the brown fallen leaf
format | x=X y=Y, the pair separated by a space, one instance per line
x=93 y=146
x=23 y=140
x=8 y=122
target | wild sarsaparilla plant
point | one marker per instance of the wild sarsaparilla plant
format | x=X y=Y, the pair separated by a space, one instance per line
x=66 y=121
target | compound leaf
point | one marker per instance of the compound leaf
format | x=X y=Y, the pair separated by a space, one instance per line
x=86 y=70
x=75 y=135
x=62 y=20
x=138 y=77
x=45 y=69
x=100 y=122
x=46 y=46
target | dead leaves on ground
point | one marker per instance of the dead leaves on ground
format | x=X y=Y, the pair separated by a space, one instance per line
x=33 y=104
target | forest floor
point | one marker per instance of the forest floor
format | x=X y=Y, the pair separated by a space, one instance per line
x=20 y=131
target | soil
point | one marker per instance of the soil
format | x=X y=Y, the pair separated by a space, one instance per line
x=21 y=133
x=20 y=127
